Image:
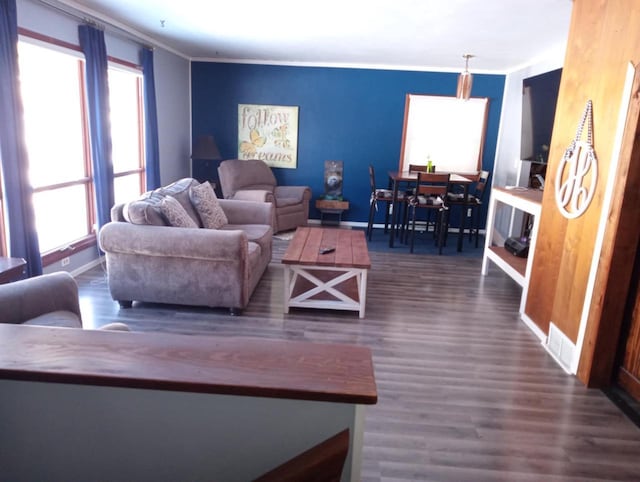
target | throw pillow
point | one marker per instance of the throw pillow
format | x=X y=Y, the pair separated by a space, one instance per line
x=204 y=199
x=175 y=214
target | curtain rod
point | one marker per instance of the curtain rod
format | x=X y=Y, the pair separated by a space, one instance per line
x=98 y=23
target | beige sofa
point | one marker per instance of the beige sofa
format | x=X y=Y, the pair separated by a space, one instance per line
x=253 y=180
x=149 y=260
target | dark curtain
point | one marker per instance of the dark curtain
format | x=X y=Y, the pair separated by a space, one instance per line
x=23 y=237
x=151 y=145
x=97 y=87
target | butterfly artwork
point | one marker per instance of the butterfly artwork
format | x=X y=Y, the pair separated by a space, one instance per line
x=268 y=133
x=249 y=148
x=280 y=138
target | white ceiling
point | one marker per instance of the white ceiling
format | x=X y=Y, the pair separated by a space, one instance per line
x=504 y=35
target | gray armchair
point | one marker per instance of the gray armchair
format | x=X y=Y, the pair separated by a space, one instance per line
x=47 y=300
x=253 y=180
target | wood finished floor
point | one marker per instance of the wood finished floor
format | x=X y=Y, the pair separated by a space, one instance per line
x=466 y=391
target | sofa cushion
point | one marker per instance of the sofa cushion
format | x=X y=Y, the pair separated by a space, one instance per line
x=206 y=203
x=261 y=234
x=64 y=319
x=175 y=214
x=141 y=211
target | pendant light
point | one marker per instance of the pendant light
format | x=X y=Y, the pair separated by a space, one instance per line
x=465 y=80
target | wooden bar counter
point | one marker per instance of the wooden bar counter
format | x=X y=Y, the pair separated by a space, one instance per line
x=150 y=406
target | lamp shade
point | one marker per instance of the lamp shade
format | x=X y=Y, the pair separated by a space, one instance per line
x=465 y=80
x=206 y=148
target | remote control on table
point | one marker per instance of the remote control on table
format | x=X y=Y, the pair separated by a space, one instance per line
x=327 y=250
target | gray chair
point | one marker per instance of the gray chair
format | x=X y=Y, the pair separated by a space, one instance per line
x=253 y=180
x=47 y=300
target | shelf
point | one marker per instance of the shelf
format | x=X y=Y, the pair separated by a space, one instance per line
x=519 y=269
x=512 y=265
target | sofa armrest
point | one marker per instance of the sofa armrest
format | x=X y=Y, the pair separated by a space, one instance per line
x=29 y=298
x=259 y=195
x=302 y=193
x=247 y=212
x=188 y=243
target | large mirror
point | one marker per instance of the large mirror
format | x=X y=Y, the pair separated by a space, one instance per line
x=447 y=130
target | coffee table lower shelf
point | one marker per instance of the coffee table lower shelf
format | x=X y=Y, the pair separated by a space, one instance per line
x=325 y=287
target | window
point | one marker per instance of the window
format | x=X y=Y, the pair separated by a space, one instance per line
x=3 y=233
x=58 y=143
x=51 y=83
x=127 y=133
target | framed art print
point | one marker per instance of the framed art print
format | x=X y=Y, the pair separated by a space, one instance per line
x=268 y=133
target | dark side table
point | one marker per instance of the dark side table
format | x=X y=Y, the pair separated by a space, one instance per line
x=11 y=269
x=331 y=211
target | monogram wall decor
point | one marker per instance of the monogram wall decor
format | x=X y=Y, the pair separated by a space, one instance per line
x=577 y=174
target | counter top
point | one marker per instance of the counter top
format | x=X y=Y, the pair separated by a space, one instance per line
x=191 y=363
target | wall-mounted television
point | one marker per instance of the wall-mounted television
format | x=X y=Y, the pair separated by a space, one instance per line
x=539 y=98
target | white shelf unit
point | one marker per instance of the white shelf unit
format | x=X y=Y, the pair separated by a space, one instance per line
x=528 y=201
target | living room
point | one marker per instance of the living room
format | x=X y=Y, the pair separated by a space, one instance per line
x=351 y=114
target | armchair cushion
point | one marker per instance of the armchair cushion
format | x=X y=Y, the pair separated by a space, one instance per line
x=206 y=203
x=296 y=193
x=260 y=195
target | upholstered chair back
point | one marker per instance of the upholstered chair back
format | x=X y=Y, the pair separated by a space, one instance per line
x=238 y=174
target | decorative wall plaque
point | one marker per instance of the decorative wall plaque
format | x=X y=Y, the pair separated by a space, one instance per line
x=577 y=174
x=269 y=133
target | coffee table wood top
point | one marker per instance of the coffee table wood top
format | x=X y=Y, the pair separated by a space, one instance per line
x=350 y=248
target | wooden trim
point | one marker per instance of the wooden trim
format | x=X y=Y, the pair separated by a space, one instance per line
x=604 y=322
x=62 y=185
x=142 y=159
x=128 y=173
x=3 y=239
x=76 y=48
x=249 y=367
x=124 y=63
x=86 y=150
x=58 y=254
x=405 y=122
x=322 y=462
x=629 y=383
x=45 y=38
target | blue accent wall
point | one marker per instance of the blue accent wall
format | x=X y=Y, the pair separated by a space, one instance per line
x=353 y=115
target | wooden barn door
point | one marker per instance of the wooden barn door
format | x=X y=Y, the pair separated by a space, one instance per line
x=628 y=376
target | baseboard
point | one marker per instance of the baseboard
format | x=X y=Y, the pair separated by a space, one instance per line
x=96 y=262
x=534 y=328
x=360 y=224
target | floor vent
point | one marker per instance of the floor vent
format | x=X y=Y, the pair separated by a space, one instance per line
x=560 y=347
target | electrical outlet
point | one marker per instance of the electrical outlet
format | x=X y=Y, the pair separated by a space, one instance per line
x=65 y=261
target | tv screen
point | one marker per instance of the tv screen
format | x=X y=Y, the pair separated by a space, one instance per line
x=539 y=98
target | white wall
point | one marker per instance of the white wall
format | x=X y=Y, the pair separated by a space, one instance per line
x=507 y=162
x=68 y=432
x=173 y=97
